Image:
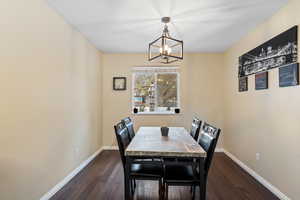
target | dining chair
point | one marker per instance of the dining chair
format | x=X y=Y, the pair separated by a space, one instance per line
x=129 y=125
x=139 y=169
x=196 y=125
x=190 y=174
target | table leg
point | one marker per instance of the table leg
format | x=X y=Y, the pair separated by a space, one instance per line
x=203 y=190
x=126 y=179
x=202 y=181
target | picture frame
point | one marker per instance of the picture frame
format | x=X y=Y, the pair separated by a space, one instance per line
x=261 y=81
x=119 y=83
x=276 y=52
x=289 y=75
x=243 y=84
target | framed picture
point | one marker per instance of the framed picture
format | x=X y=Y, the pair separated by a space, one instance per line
x=278 y=51
x=119 y=83
x=289 y=75
x=261 y=81
x=243 y=84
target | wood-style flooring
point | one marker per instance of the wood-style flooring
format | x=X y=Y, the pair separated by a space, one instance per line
x=103 y=179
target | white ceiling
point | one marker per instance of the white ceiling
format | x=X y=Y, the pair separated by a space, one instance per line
x=129 y=25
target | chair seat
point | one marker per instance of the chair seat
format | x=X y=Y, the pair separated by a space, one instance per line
x=146 y=170
x=179 y=173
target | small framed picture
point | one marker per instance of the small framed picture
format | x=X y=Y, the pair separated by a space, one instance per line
x=243 y=84
x=261 y=81
x=119 y=83
x=289 y=75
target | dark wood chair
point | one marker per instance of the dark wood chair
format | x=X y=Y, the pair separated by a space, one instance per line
x=129 y=125
x=139 y=169
x=195 y=129
x=194 y=173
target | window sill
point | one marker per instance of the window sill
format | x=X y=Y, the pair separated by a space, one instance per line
x=157 y=113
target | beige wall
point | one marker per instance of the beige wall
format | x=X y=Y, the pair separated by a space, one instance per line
x=265 y=122
x=53 y=115
x=50 y=119
x=201 y=92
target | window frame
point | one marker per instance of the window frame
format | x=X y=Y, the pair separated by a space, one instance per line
x=164 y=70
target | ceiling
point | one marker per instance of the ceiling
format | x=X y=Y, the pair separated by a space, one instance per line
x=127 y=26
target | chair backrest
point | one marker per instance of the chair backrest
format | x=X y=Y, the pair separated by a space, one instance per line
x=123 y=140
x=129 y=125
x=196 y=125
x=209 y=136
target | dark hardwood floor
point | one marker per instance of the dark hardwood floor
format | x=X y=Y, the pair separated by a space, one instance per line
x=103 y=179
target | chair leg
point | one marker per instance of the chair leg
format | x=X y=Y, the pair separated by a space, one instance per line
x=193 y=192
x=166 y=191
x=134 y=183
x=132 y=186
x=160 y=193
x=203 y=190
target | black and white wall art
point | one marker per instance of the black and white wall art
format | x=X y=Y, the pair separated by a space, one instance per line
x=289 y=75
x=279 y=51
x=261 y=81
x=243 y=84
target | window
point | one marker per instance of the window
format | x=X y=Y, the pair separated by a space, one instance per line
x=155 y=90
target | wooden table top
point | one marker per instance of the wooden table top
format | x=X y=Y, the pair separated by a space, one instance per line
x=149 y=142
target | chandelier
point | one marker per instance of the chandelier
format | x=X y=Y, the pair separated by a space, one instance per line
x=165 y=49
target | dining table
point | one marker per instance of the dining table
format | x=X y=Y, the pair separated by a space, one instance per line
x=149 y=143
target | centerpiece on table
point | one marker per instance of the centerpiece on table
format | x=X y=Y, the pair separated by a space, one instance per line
x=164 y=131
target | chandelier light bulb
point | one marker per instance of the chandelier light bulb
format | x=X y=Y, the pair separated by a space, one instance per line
x=165 y=49
x=169 y=50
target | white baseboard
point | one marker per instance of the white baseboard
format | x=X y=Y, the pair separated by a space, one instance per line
x=63 y=182
x=219 y=150
x=110 y=148
x=260 y=179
